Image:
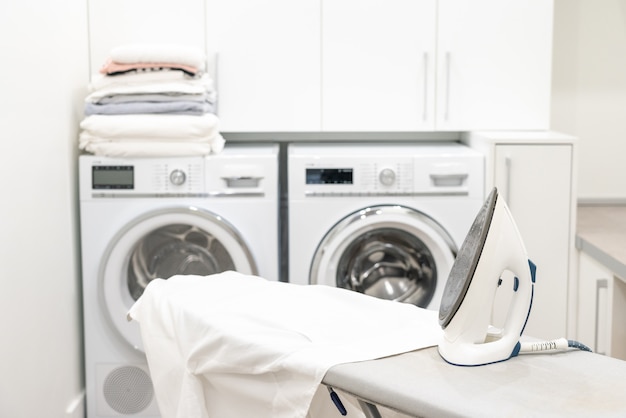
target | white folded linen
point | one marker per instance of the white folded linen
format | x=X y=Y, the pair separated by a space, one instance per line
x=87 y=138
x=99 y=81
x=154 y=149
x=150 y=127
x=203 y=84
x=156 y=97
x=171 y=107
x=166 y=52
x=231 y=345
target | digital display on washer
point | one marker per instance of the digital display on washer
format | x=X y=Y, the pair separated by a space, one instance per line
x=113 y=177
x=329 y=176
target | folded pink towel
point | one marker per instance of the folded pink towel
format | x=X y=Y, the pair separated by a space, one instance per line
x=111 y=67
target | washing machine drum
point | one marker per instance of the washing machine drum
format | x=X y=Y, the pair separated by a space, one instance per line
x=175 y=249
x=390 y=252
x=161 y=244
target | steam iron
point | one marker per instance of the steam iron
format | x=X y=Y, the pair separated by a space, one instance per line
x=492 y=247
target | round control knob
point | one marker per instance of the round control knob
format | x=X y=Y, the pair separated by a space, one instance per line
x=178 y=177
x=387 y=176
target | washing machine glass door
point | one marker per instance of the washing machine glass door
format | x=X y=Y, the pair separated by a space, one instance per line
x=390 y=252
x=162 y=244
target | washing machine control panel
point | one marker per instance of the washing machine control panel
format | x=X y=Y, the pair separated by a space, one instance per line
x=346 y=170
x=360 y=177
x=142 y=177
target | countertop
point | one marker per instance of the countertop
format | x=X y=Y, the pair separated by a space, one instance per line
x=601 y=233
x=421 y=383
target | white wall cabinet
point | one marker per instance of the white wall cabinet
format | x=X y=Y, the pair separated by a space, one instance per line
x=494 y=64
x=602 y=305
x=268 y=67
x=354 y=65
x=378 y=65
x=534 y=173
x=448 y=65
x=265 y=55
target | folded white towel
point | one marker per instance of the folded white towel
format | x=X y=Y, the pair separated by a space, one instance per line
x=171 y=107
x=154 y=149
x=156 y=97
x=99 y=81
x=231 y=345
x=200 y=85
x=155 y=127
x=172 y=53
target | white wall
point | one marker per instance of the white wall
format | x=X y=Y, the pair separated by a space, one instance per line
x=589 y=92
x=44 y=71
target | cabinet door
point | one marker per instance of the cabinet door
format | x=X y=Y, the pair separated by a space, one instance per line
x=593 y=313
x=268 y=72
x=117 y=22
x=494 y=64
x=535 y=181
x=601 y=308
x=378 y=65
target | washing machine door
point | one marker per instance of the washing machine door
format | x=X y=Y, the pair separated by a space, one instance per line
x=161 y=244
x=390 y=252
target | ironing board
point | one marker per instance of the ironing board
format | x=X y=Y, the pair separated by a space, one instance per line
x=421 y=383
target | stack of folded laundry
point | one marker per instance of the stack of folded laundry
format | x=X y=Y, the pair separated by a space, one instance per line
x=151 y=100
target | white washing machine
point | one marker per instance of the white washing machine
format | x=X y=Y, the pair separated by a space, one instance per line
x=384 y=220
x=145 y=218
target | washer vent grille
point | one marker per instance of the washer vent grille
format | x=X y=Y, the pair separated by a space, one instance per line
x=128 y=390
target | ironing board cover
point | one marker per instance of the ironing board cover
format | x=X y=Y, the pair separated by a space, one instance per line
x=232 y=345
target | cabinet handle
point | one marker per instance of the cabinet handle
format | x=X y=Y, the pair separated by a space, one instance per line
x=508 y=161
x=425 y=104
x=213 y=70
x=600 y=284
x=447 y=107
